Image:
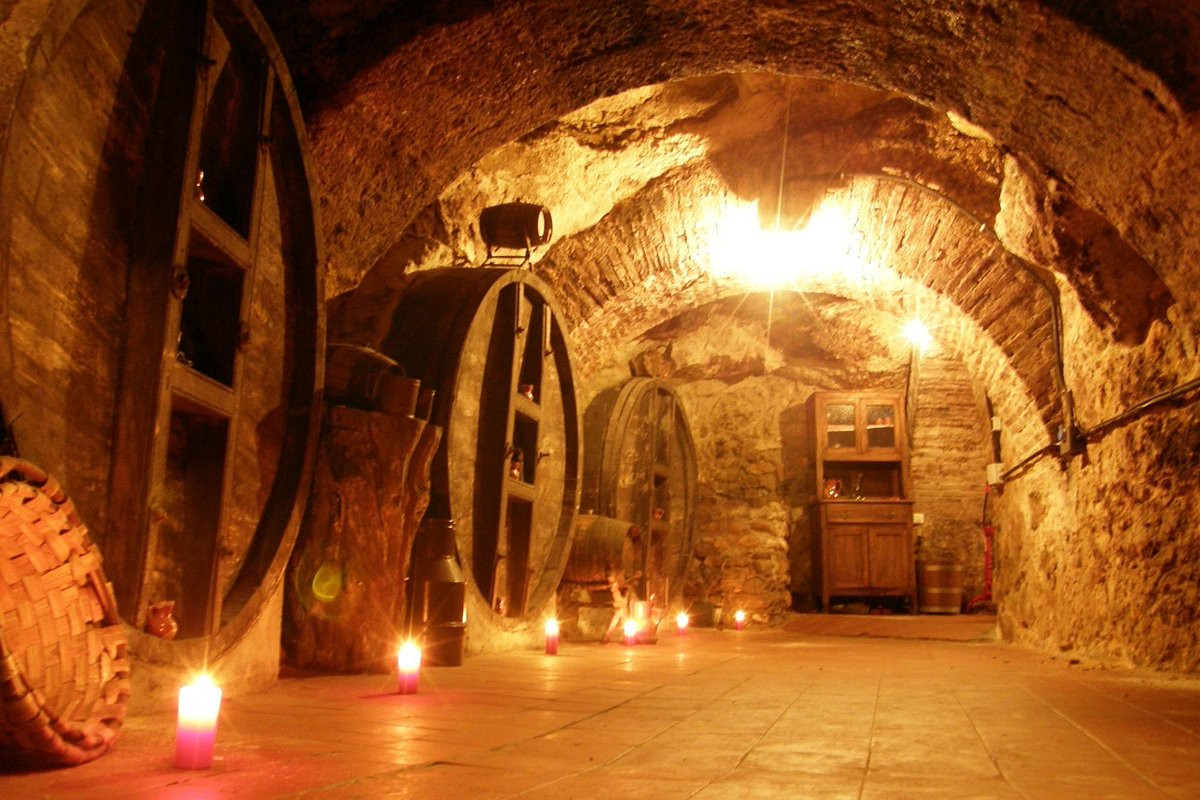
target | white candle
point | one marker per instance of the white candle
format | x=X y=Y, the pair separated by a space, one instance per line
x=196 y=731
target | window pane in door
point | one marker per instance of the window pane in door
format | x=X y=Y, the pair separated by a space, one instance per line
x=881 y=425
x=839 y=426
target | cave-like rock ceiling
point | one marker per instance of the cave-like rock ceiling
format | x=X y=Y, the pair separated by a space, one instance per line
x=644 y=147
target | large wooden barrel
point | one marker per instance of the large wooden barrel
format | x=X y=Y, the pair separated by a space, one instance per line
x=640 y=466
x=507 y=473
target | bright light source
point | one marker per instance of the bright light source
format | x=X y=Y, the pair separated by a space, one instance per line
x=918 y=335
x=552 y=627
x=826 y=246
x=409 y=657
x=681 y=620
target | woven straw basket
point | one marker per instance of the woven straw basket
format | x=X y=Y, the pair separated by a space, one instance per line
x=64 y=677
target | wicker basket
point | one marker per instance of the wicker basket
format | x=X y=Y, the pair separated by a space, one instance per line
x=64 y=677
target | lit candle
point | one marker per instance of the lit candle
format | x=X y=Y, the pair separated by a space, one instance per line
x=739 y=619
x=681 y=622
x=196 y=731
x=551 y=637
x=631 y=629
x=408 y=664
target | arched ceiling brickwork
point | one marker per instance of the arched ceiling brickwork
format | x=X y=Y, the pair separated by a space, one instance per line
x=989 y=162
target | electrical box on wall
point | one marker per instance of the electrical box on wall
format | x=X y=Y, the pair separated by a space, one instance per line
x=995 y=474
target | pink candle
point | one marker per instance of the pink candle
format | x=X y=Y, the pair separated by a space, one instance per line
x=408 y=664
x=631 y=629
x=681 y=622
x=739 y=619
x=551 y=637
x=196 y=731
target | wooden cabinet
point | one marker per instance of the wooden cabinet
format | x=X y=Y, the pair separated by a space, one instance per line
x=863 y=514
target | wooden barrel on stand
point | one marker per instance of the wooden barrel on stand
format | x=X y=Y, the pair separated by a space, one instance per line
x=639 y=473
x=507 y=473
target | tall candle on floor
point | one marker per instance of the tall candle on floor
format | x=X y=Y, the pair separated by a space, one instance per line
x=551 y=637
x=631 y=629
x=408 y=663
x=196 y=731
x=739 y=619
x=681 y=622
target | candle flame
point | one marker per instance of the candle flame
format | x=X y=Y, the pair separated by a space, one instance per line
x=552 y=627
x=203 y=679
x=681 y=620
x=409 y=657
x=739 y=616
x=631 y=628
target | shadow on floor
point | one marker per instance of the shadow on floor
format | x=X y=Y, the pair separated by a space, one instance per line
x=948 y=627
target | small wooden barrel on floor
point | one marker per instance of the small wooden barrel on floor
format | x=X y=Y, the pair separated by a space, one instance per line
x=939 y=587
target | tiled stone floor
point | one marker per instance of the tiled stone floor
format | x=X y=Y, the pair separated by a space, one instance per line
x=714 y=714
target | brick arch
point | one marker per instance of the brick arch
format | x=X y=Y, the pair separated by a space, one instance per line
x=614 y=278
x=491 y=77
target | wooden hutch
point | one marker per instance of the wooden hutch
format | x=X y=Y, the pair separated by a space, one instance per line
x=864 y=516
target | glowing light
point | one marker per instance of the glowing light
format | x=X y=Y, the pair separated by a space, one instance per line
x=196 y=729
x=551 y=637
x=681 y=622
x=739 y=619
x=631 y=629
x=826 y=246
x=327 y=583
x=408 y=664
x=918 y=335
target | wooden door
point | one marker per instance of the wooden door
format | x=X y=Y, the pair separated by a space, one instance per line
x=891 y=557
x=848 y=559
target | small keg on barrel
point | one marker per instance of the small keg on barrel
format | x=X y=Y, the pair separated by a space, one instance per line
x=438 y=593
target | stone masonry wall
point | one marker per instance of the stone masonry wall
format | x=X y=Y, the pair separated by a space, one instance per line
x=747 y=405
x=1105 y=569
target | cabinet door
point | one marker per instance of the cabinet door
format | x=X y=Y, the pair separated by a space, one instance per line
x=880 y=425
x=847 y=560
x=839 y=426
x=890 y=556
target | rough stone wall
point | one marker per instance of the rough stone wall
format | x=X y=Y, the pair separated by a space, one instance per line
x=747 y=404
x=1098 y=559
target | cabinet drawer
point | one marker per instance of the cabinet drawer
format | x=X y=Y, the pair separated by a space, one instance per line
x=868 y=512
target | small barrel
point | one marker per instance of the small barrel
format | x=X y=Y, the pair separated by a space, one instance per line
x=939 y=587
x=364 y=378
x=515 y=225
x=600 y=547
